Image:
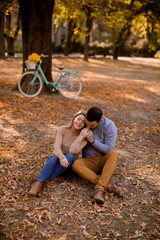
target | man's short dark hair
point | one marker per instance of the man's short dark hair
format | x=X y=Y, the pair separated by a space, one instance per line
x=94 y=114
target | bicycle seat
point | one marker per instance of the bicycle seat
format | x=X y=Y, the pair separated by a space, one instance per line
x=61 y=67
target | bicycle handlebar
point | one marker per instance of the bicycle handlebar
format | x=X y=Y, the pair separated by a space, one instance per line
x=44 y=56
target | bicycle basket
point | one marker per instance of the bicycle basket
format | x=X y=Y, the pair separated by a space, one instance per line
x=30 y=65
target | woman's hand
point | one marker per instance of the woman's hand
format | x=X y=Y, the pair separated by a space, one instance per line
x=84 y=132
x=64 y=162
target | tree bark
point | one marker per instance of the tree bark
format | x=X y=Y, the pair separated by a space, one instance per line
x=70 y=31
x=36 y=17
x=123 y=36
x=87 y=38
x=10 y=46
x=2 y=40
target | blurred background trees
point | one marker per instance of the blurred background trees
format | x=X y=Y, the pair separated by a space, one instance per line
x=12 y=26
x=117 y=27
x=4 y=6
x=89 y=27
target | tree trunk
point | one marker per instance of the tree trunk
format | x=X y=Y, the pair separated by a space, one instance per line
x=11 y=38
x=36 y=17
x=10 y=46
x=2 y=40
x=125 y=32
x=123 y=36
x=87 y=38
x=70 y=31
x=115 y=52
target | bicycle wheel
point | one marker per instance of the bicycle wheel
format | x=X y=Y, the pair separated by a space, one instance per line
x=28 y=89
x=70 y=85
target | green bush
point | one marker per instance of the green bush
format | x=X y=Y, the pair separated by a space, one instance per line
x=77 y=47
x=57 y=49
x=102 y=48
x=18 y=48
x=138 y=48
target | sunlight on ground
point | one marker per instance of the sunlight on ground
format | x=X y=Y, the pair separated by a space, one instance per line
x=8 y=131
x=135 y=98
x=154 y=90
x=143 y=61
x=93 y=76
x=109 y=77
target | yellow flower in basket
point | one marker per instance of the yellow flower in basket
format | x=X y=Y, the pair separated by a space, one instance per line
x=34 y=57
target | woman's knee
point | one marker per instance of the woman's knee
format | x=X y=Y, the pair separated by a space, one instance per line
x=70 y=157
x=52 y=159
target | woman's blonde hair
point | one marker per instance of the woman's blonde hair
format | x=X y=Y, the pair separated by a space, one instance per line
x=81 y=112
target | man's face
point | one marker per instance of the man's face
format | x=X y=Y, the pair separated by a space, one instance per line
x=93 y=124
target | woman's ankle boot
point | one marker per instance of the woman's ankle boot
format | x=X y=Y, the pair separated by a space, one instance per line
x=35 y=189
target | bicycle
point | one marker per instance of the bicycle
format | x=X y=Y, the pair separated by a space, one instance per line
x=68 y=83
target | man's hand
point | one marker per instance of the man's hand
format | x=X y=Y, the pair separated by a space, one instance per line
x=90 y=137
x=64 y=162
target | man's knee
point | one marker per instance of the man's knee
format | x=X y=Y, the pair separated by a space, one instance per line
x=76 y=165
x=113 y=154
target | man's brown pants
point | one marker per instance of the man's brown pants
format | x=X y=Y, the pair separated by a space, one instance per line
x=90 y=168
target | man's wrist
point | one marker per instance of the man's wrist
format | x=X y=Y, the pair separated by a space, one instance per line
x=93 y=141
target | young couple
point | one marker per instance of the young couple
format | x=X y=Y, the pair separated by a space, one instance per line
x=96 y=136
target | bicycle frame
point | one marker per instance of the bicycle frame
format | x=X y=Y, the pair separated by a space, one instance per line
x=39 y=72
x=67 y=82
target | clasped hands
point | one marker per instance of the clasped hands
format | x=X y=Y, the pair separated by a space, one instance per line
x=88 y=134
x=85 y=133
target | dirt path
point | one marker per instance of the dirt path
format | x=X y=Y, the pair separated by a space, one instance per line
x=128 y=91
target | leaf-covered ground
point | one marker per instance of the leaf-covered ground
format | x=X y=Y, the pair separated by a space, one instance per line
x=128 y=91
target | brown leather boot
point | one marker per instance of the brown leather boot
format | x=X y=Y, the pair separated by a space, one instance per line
x=35 y=189
x=116 y=190
x=98 y=195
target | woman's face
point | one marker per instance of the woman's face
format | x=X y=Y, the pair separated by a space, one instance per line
x=79 y=122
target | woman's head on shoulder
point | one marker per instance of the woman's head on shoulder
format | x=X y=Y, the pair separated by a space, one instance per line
x=79 y=120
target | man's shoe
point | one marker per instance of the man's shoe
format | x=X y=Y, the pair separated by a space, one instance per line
x=35 y=189
x=116 y=190
x=98 y=195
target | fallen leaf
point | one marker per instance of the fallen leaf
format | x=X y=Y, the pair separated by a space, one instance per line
x=116 y=200
x=64 y=222
x=30 y=224
x=59 y=221
x=143 y=226
x=106 y=197
x=24 y=198
x=126 y=222
x=86 y=234
x=106 y=223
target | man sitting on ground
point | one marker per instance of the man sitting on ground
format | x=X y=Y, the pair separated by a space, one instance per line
x=98 y=155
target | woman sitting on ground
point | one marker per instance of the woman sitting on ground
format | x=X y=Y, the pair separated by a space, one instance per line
x=70 y=140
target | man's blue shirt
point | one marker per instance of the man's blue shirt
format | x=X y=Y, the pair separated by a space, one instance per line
x=105 y=135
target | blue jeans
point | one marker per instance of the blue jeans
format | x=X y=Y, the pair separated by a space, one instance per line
x=53 y=167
